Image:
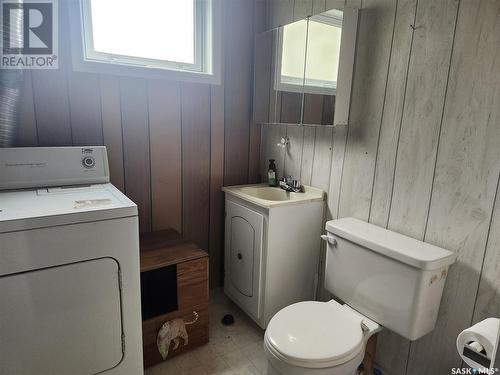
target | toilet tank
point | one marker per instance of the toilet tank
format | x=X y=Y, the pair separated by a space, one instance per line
x=393 y=279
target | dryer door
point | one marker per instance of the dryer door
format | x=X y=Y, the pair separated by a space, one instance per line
x=61 y=320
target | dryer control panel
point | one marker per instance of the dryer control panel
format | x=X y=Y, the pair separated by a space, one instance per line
x=35 y=167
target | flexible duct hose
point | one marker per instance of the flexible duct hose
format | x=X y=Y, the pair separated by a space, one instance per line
x=10 y=91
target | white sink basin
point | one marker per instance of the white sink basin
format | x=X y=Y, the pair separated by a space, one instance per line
x=266 y=196
x=267 y=193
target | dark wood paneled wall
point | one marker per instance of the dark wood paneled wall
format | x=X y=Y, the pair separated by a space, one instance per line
x=171 y=145
x=420 y=155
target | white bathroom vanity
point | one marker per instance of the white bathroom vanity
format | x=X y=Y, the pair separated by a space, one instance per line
x=272 y=246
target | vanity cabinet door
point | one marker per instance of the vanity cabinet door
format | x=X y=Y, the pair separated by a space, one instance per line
x=244 y=228
x=242 y=255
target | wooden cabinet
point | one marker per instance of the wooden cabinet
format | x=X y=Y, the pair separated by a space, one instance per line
x=174 y=276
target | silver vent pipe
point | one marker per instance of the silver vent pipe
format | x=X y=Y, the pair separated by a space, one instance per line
x=10 y=87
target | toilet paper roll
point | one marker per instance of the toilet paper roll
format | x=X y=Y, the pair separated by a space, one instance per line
x=476 y=346
x=481 y=338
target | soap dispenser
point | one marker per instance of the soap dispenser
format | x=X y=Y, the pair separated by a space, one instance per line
x=272 y=173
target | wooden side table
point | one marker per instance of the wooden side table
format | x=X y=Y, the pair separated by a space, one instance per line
x=174 y=284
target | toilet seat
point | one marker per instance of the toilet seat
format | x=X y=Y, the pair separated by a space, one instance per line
x=315 y=334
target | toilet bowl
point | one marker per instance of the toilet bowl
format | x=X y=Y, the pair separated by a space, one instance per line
x=317 y=338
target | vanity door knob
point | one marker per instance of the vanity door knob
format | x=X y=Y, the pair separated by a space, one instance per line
x=240 y=256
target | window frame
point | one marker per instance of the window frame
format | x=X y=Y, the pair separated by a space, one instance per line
x=207 y=66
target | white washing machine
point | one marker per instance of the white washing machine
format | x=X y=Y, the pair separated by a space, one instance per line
x=69 y=266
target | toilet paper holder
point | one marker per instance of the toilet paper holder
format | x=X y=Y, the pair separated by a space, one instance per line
x=478 y=344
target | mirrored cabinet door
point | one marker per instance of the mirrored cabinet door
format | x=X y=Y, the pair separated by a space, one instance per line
x=263 y=55
x=324 y=34
x=288 y=77
x=279 y=74
x=303 y=70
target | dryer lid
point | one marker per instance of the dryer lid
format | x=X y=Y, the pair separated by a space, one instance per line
x=315 y=334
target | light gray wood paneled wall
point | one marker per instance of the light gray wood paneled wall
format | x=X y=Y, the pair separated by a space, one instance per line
x=308 y=157
x=420 y=155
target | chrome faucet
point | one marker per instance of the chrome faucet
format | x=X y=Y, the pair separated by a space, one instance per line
x=291 y=185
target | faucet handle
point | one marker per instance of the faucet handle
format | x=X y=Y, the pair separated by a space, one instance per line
x=282 y=182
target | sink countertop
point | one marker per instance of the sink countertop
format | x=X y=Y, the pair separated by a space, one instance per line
x=266 y=196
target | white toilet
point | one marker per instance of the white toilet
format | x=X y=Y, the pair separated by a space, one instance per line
x=383 y=278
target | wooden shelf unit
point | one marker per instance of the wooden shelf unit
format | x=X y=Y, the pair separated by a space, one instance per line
x=168 y=249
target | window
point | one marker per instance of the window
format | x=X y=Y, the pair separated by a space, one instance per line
x=164 y=39
x=308 y=57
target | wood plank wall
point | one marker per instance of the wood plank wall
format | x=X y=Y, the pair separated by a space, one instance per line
x=171 y=145
x=421 y=154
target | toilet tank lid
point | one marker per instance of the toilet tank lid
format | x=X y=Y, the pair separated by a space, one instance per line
x=391 y=244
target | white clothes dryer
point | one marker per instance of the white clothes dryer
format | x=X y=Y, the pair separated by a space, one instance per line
x=69 y=265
